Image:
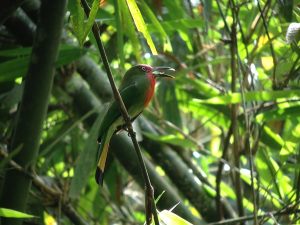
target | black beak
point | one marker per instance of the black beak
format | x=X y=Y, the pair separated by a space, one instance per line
x=162 y=71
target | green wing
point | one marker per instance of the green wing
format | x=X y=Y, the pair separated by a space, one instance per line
x=132 y=99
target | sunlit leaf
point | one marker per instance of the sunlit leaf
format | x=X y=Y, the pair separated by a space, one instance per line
x=9 y=213
x=92 y=16
x=171 y=139
x=170 y=218
x=178 y=24
x=279 y=114
x=267 y=62
x=140 y=24
x=129 y=29
x=49 y=219
x=169 y=102
x=234 y=98
x=157 y=25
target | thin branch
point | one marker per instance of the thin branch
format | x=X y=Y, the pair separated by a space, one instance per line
x=287 y=211
x=223 y=18
x=199 y=45
x=150 y=205
x=234 y=111
x=219 y=174
x=255 y=24
x=271 y=44
x=247 y=121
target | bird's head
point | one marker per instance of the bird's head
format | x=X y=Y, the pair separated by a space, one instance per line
x=145 y=71
x=156 y=72
x=153 y=72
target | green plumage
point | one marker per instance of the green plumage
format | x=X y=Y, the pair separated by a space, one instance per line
x=136 y=91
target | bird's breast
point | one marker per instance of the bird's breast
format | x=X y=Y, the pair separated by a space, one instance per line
x=150 y=90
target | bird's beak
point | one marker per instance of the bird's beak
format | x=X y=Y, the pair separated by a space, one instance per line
x=162 y=71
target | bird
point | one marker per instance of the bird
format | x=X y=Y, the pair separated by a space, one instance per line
x=136 y=89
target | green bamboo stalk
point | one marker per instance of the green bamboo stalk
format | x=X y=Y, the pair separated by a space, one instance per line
x=33 y=107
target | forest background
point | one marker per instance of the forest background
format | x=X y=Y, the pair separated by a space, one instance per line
x=220 y=141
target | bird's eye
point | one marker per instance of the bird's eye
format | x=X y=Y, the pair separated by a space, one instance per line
x=145 y=69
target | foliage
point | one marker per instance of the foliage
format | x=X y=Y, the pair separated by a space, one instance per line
x=227 y=128
x=13 y=213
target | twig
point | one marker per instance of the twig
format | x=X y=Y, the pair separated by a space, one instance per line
x=223 y=18
x=198 y=41
x=219 y=173
x=234 y=111
x=255 y=24
x=271 y=45
x=288 y=211
x=247 y=122
x=150 y=205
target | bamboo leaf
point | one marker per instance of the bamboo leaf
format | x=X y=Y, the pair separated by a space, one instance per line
x=157 y=26
x=9 y=213
x=171 y=139
x=77 y=19
x=279 y=114
x=120 y=33
x=129 y=29
x=234 y=98
x=170 y=218
x=92 y=16
x=169 y=102
x=177 y=24
x=140 y=24
x=17 y=67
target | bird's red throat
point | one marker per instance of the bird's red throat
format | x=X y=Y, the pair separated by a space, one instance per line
x=150 y=91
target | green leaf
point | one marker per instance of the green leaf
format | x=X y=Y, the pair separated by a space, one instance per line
x=129 y=29
x=92 y=16
x=17 y=67
x=207 y=113
x=157 y=25
x=86 y=161
x=170 y=218
x=14 y=68
x=269 y=171
x=140 y=24
x=68 y=54
x=177 y=24
x=16 y=52
x=176 y=8
x=168 y=102
x=77 y=19
x=199 y=87
x=9 y=213
x=120 y=33
x=234 y=98
x=171 y=139
x=279 y=114
x=286 y=9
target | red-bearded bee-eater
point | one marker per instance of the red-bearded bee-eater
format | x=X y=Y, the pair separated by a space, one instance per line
x=137 y=89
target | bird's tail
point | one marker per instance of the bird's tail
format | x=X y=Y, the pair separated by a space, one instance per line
x=103 y=151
